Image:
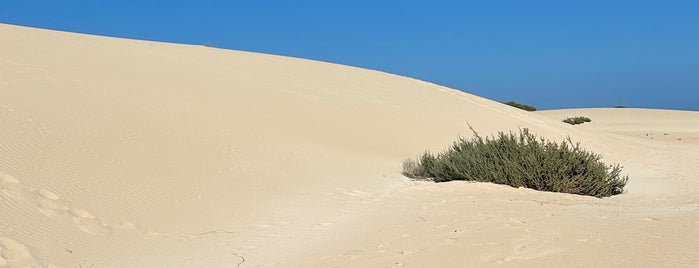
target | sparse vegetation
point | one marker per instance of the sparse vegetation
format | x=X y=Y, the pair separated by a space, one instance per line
x=521 y=106
x=577 y=120
x=521 y=161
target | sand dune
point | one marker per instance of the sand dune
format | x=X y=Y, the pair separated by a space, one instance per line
x=124 y=153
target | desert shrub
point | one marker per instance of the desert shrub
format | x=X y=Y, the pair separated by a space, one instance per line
x=411 y=168
x=521 y=106
x=577 y=120
x=521 y=161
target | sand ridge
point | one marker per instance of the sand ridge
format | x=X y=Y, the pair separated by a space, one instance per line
x=126 y=153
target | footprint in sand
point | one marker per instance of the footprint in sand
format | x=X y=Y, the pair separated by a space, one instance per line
x=381 y=247
x=127 y=225
x=4 y=177
x=453 y=236
x=89 y=223
x=653 y=219
x=512 y=222
x=11 y=187
x=15 y=254
x=323 y=225
x=450 y=240
x=407 y=252
x=357 y=193
x=52 y=205
x=352 y=254
x=515 y=221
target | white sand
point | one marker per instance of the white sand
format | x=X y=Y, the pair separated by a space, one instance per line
x=123 y=153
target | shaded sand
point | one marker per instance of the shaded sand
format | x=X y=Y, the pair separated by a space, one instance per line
x=122 y=153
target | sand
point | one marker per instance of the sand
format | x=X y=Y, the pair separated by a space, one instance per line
x=125 y=153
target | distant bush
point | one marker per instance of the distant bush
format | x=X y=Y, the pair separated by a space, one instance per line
x=521 y=161
x=521 y=106
x=577 y=120
x=620 y=106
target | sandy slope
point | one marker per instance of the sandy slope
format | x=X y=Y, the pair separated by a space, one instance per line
x=122 y=153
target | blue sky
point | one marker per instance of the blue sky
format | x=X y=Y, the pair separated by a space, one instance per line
x=550 y=54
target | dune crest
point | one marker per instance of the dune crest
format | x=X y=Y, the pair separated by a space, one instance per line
x=126 y=153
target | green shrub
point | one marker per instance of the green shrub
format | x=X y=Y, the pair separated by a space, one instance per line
x=521 y=161
x=521 y=106
x=577 y=120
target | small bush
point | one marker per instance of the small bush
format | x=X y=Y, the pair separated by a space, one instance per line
x=521 y=106
x=521 y=161
x=620 y=106
x=577 y=120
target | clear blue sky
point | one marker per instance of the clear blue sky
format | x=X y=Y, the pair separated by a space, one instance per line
x=550 y=54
